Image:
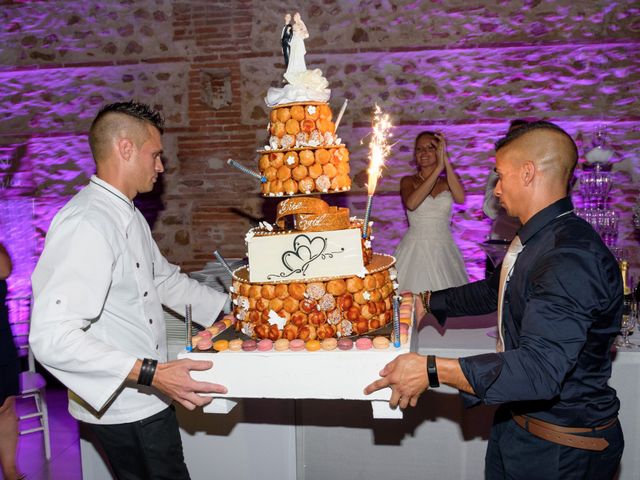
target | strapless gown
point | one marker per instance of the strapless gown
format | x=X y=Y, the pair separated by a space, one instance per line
x=427 y=258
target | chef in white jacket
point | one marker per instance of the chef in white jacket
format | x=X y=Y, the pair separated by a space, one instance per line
x=97 y=322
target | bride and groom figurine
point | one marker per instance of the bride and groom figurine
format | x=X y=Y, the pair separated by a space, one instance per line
x=301 y=85
x=292 y=40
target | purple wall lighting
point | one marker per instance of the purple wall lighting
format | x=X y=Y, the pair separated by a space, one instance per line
x=451 y=66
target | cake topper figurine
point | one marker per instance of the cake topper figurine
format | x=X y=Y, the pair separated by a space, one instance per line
x=285 y=39
x=297 y=51
x=301 y=85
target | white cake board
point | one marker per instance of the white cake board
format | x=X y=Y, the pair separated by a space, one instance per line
x=333 y=375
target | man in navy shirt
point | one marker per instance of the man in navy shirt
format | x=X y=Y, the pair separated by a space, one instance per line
x=561 y=311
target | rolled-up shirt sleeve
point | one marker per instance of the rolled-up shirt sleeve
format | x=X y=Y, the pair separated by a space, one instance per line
x=565 y=290
x=70 y=285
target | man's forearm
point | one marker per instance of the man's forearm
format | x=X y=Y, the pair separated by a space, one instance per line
x=450 y=373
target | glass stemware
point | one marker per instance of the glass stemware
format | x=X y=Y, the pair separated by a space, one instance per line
x=629 y=319
x=600 y=152
x=594 y=188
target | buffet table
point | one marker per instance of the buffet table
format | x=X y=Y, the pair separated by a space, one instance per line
x=318 y=439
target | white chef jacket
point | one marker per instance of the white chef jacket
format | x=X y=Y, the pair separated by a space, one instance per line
x=98 y=292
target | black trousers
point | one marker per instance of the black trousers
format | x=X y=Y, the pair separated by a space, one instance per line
x=146 y=449
x=514 y=453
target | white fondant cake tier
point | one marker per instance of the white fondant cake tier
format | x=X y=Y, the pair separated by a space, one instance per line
x=379 y=263
x=299 y=256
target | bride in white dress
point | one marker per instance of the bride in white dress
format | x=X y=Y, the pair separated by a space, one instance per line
x=427 y=258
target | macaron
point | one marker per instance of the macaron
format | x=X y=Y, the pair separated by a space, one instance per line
x=345 y=344
x=221 y=345
x=265 y=345
x=380 y=342
x=364 y=343
x=404 y=328
x=227 y=322
x=204 y=344
x=205 y=334
x=281 y=345
x=235 y=345
x=312 y=345
x=296 y=345
x=329 y=344
x=249 y=345
x=404 y=338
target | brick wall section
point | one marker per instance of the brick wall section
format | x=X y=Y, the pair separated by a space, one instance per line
x=459 y=67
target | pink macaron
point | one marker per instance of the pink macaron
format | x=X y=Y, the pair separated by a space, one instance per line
x=249 y=345
x=364 y=343
x=205 y=334
x=204 y=344
x=296 y=345
x=265 y=345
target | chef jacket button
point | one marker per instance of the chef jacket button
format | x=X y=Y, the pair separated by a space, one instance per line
x=150 y=321
x=137 y=265
x=157 y=346
x=145 y=294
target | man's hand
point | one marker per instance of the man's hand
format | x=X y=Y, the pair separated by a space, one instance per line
x=173 y=379
x=407 y=377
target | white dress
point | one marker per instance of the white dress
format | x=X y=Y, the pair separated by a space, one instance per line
x=427 y=258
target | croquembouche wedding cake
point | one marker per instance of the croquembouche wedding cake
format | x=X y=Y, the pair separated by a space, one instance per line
x=311 y=276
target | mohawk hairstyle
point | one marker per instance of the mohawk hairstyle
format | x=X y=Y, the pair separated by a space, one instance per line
x=531 y=126
x=134 y=109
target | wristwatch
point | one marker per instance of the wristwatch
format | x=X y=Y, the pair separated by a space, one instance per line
x=432 y=372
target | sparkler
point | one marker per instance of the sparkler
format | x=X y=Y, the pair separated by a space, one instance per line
x=396 y=321
x=223 y=262
x=378 y=151
x=344 y=107
x=246 y=170
x=187 y=321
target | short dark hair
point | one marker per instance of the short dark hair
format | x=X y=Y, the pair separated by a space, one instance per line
x=104 y=125
x=134 y=109
x=517 y=123
x=531 y=126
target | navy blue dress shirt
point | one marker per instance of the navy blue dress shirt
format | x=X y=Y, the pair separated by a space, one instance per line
x=562 y=312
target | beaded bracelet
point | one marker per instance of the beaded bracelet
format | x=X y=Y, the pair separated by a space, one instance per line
x=426 y=299
x=147 y=371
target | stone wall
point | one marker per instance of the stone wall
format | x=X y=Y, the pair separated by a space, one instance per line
x=462 y=67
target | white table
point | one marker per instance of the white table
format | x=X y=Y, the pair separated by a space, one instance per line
x=320 y=439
